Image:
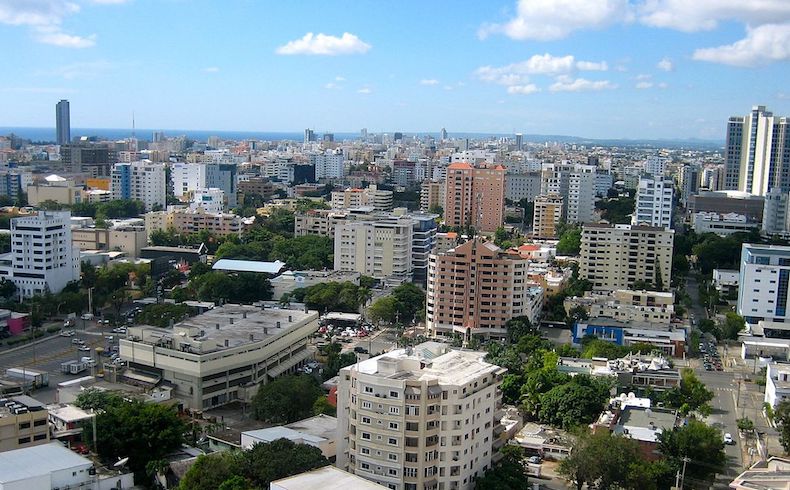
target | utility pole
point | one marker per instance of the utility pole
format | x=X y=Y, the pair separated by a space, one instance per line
x=683 y=476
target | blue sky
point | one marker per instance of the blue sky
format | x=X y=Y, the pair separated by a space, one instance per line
x=592 y=68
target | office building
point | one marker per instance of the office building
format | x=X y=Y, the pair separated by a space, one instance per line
x=431 y=195
x=223 y=176
x=522 y=186
x=54 y=188
x=443 y=135
x=23 y=423
x=309 y=136
x=186 y=177
x=575 y=183
x=519 y=141
x=475 y=289
x=626 y=305
x=421 y=418
x=757 y=152
x=474 y=197
x=127 y=239
x=603 y=182
x=763 y=283
x=221 y=355
x=380 y=248
x=259 y=186
x=42 y=257
x=423 y=241
x=379 y=200
x=776 y=215
x=143 y=181
x=723 y=224
x=329 y=165
x=671 y=341
x=615 y=256
x=62 y=122
x=94 y=159
x=546 y=215
x=689 y=182
x=654 y=201
x=728 y=202
x=210 y=200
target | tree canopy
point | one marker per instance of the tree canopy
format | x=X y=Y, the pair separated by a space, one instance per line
x=286 y=399
x=507 y=474
x=699 y=442
x=405 y=305
x=332 y=296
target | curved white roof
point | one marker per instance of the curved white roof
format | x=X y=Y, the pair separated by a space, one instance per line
x=55 y=178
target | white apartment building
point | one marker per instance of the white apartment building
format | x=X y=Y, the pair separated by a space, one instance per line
x=380 y=248
x=42 y=257
x=187 y=177
x=576 y=184
x=654 y=202
x=522 y=186
x=329 y=165
x=603 y=182
x=421 y=418
x=777 y=383
x=380 y=200
x=615 y=256
x=764 y=283
x=776 y=215
x=655 y=166
x=211 y=200
x=143 y=181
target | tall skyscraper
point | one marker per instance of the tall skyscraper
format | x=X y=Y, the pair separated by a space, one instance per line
x=654 y=201
x=364 y=134
x=758 y=152
x=309 y=136
x=63 y=122
x=519 y=141
x=576 y=184
x=474 y=196
x=443 y=134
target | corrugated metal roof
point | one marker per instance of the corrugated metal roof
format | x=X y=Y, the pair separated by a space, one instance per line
x=248 y=266
x=30 y=462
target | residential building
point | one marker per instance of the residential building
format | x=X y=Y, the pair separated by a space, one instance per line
x=54 y=188
x=726 y=280
x=187 y=177
x=327 y=477
x=260 y=186
x=474 y=196
x=625 y=305
x=403 y=172
x=127 y=239
x=723 y=224
x=380 y=248
x=93 y=159
x=42 y=256
x=67 y=421
x=475 y=288
x=211 y=200
x=655 y=166
x=757 y=152
x=143 y=181
x=320 y=222
x=765 y=475
x=777 y=383
x=666 y=338
x=576 y=184
x=223 y=176
x=423 y=417
x=776 y=216
x=689 y=182
x=319 y=431
x=603 y=182
x=641 y=423
x=447 y=241
x=616 y=256
x=221 y=355
x=431 y=195
x=13 y=183
x=187 y=221
x=380 y=200
x=289 y=281
x=763 y=282
x=62 y=122
x=23 y=423
x=546 y=215
x=96 y=196
x=654 y=202
x=522 y=186
x=329 y=165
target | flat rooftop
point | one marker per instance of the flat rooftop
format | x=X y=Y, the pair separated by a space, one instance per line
x=225 y=327
x=326 y=478
x=31 y=462
x=637 y=421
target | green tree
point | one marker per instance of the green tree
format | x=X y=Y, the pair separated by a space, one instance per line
x=162 y=315
x=7 y=288
x=691 y=396
x=602 y=459
x=570 y=241
x=578 y=402
x=322 y=406
x=507 y=474
x=286 y=399
x=701 y=443
x=733 y=323
x=337 y=361
x=782 y=418
x=517 y=328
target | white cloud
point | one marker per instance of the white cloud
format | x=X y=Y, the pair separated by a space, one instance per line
x=523 y=89
x=429 y=81
x=762 y=45
x=642 y=77
x=211 y=69
x=322 y=44
x=665 y=64
x=539 y=64
x=699 y=15
x=662 y=85
x=84 y=69
x=545 y=20
x=63 y=40
x=340 y=79
x=448 y=87
x=332 y=86
x=644 y=85
x=568 y=84
x=592 y=66
x=365 y=90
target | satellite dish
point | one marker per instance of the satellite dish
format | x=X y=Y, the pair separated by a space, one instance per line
x=121 y=462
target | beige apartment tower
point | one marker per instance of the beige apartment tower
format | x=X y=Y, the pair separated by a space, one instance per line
x=546 y=216
x=422 y=418
x=474 y=196
x=615 y=256
x=475 y=289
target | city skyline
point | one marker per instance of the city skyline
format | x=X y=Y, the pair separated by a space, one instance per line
x=615 y=69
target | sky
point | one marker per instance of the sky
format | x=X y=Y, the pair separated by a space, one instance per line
x=633 y=69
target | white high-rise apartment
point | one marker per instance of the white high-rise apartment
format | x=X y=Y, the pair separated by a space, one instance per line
x=42 y=255
x=329 y=165
x=654 y=201
x=380 y=200
x=187 y=177
x=776 y=215
x=757 y=155
x=655 y=165
x=576 y=184
x=380 y=249
x=211 y=200
x=764 y=283
x=143 y=181
x=421 y=418
x=615 y=256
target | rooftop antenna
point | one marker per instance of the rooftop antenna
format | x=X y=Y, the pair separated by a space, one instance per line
x=133 y=135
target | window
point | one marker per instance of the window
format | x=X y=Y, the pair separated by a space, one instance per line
x=392 y=441
x=365 y=420
x=392 y=457
x=39 y=437
x=366 y=436
x=364 y=466
x=394 y=425
x=393 y=472
x=395 y=410
x=23 y=440
x=364 y=450
x=366 y=405
x=24 y=425
x=368 y=389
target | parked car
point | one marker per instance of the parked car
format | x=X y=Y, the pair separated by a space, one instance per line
x=87 y=316
x=67 y=333
x=77 y=341
x=534 y=460
x=84 y=348
x=728 y=439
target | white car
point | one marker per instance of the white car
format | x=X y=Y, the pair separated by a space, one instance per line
x=67 y=333
x=77 y=341
x=728 y=439
x=87 y=316
x=84 y=348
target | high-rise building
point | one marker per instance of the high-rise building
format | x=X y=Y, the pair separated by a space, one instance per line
x=615 y=256
x=309 y=136
x=474 y=196
x=224 y=176
x=329 y=137
x=42 y=255
x=757 y=155
x=654 y=201
x=519 y=141
x=443 y=135
x=689 y=182
x=364 y=134
x=13 y=183
x=520 y=186
x=63 y=122
x=431 y=195
x=379 y=248
x=329 y=165
x=423 y=417
x=398 y=136
x=187 y=177
x=776 y=215
x=476 y=288
x=209 y=200
x=379 y=199
x=576 y=184
x=764 y=283
x=94 y=159
x=423 y=241
x=546 y=215
x=655 y=166
x=143 y=181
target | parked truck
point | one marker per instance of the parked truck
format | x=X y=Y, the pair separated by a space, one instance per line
x=31 y=377
x=73 y=367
